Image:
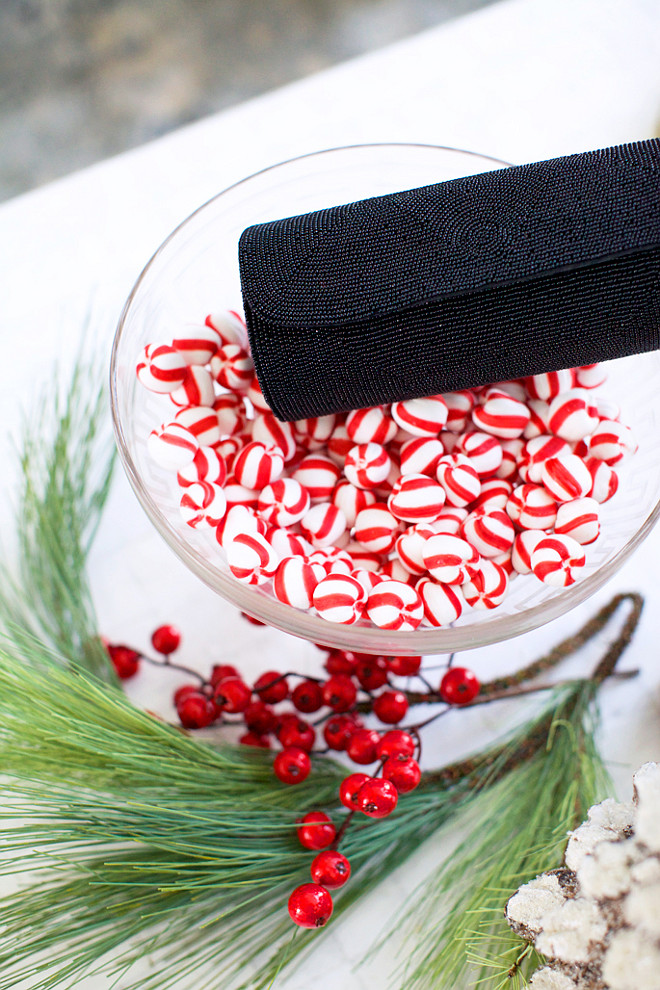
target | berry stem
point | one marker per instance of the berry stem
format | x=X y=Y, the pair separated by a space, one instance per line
x=166 y=662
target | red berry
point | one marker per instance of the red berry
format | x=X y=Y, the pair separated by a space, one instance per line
x=362 y=746
x=220 y=671
x=166 y=639
x=251 y=618
x=339 y=730
x=184 y=691
x=271 y=687
x=316 y=831
x=260 y=718
x=296 y=732
x=340 y=662
x=349 y=788
x=330 y=868
x=125 y=661
x=339 y=692
x=404 y=666
x=310 y=905
x=307 y=696
x=395 y=742
x=292 y=765
x=196 y=711
x=371 y=673
x=390 y=706
x=377 y=798
x=232 y=695
x=403 y=771
x=254 y=739
x=459 y=686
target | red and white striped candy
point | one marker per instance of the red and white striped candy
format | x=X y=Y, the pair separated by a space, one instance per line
x=557 y=560
x=283 y=502
x=203 y=502
x=229 y=326
x=611 y=441
x=339 y=445
x=197 y=345
x=590 y=375
x=251 y=558
x=323 y=525
x=339 y=598
x=238 y=494
x=409 y=548
x=607 y=408
x=371 y=425
x=579 y=519
x=539 y=419
x=314 y=433
x=363 y=559
x=494 y=494
x=368 y=579
x=547 y=386
x=161 y=369
x=296 y=580
x=511 y=451
x=490 y=533
x=538 y=450
x=395 y=605
x=604 y=481
x=573 y=415
x=459 y=409
x=351 y=500
x=257 y=465
x=505 y=561
x=227 y=449
x=449 y=441
x=231 y=413
x=421 y=417
x=256 y=397
x=523 y=547
x=268 y=429
x=318 y=475
x=202 y=421
x=335 y=560
x=233 y=368
x=367 y=465
x=459 y=479
x=515 y=389
x=483 y=451
x=173 y=446
x=566 y=477
x=288 y=544
x=420 y=456
x=450 y=559
x=450 y=520
x=502 y=416
x=206 y=465
x=443 y=603
x=196 y=390
x=239 y=519
x=393 y=570
x=488 y=587
x=416 y=498
x=532 y=507
x=376 y=529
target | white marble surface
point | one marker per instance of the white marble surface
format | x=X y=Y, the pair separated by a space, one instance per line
x=521 y=80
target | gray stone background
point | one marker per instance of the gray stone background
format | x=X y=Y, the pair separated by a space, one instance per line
x=81 y=80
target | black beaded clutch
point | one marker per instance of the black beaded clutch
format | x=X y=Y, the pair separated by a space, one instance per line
x=494 y=276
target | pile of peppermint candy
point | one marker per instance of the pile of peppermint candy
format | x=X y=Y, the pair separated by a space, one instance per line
x=394 y=515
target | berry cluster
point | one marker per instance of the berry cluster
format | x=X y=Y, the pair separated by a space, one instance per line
x=354 y=685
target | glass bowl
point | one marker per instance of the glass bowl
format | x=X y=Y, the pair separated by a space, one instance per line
x=195 y=272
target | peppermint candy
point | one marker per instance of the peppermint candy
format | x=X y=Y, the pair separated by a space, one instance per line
x=296 y=580
x=494 y=494
x=443 y=603
x=256 y=396
x=287 y=544
x=557 y=560
x=230 y=411
x=314 y=433
x=459 y=479
x=566 y=477
x=450 y=559
x=372 y=425
x=161 y=369
x=547 y=386
x=395 y=605
x=283 y=502
x=511 y=451
x=590 y=375
x=229 y=326
x=501 y=415
x=611 y=441
x=483 y=451
x=459 y=409
x=351 y=500
x=538 y=450
x=258 y=465
x=238 y=494
x=579 y=519
x=539 y=419
x=202 y=421
x=251 y=558
x=203 y=502
x=532 y=507
x=572 y=415
x=196 y=389
x=323 y=525
x=450 y=520
x=339 y=598
x=268 y=429
x=318 y=475
x=420 y=456
x=421 y=417
x=339 y=445
x=206 y=465
x=376 y=529
x=394 y=570
x=523 y=547
x=490 y=533
x=416 y=498
x=604 y=481
x=173 y=446
x=409 y=548
x=197 y=345
x=488 y=588
x=238 y=519
x=367 y=465
x=233 y=368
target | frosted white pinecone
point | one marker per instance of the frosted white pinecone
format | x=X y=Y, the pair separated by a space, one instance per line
x=597 y=920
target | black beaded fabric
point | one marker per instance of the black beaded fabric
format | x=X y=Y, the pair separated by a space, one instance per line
x=489 y=277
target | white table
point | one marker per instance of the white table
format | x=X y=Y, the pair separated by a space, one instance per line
x=520 y=80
